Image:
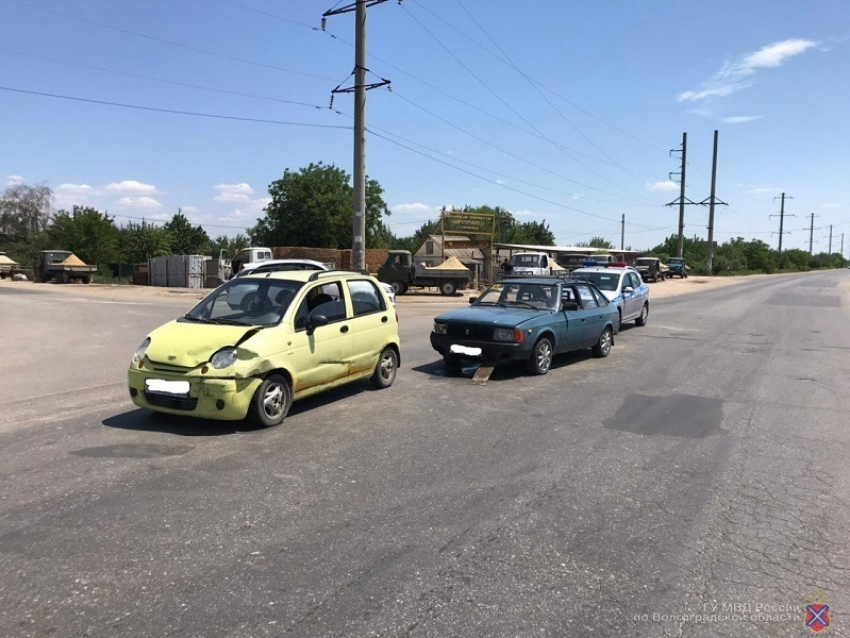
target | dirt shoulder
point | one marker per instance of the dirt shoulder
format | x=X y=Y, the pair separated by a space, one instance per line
x=152 y=294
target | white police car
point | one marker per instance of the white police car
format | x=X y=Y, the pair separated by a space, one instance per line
x=623 y=287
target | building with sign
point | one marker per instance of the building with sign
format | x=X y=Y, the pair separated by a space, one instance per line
x=437 y=248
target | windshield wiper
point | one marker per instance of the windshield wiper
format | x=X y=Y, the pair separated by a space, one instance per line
x=524 y=303
x=228 y=322
x=198 y=319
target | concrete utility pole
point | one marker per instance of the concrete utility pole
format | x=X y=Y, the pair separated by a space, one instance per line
x=623 y=232
x=830 y=240
x=842 y=245
x=682 y=199
x=781 y=216
x=811 y=233
x=358 y=245
x=713 y=200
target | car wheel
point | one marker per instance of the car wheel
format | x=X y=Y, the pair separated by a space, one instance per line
x=271 y=401
x=386 y=370
x=398 y=287
x=541 y=357
x=603 y=347
x=644 y=315
x=447 y=288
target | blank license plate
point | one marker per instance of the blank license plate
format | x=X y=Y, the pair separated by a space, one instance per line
x=470 y=352
x=175 y=388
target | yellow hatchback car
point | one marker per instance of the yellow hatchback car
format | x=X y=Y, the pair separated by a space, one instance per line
x=259 y=342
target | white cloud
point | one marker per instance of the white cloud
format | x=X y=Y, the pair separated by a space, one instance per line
x=233 y=192
x=416 y=207
x=829 y=205
x=188 y=210
x=14 y=180
x=662 y=187
x=141 y=203
x=522 y=213
x=738 y=74
x=75 y=190
x=740 y=119
x=133 y=187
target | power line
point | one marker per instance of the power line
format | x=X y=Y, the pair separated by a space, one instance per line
x=481 y=177
x=153 y=79
x=172 y=111
x=536 y=88
x=169 y=42
x=514 y=111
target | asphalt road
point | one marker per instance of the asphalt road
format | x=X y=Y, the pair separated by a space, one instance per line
x=700 y=469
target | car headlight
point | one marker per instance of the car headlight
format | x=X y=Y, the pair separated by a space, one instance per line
x=223 y=358
x=140 y=353
x=503 y=334
x=440 y=328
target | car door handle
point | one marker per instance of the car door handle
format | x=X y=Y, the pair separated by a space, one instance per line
x=344 y=329
x=584 y=320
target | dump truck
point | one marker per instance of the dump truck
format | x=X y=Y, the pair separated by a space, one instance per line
x=8 y=267
x=62 y=266
x=401 y=273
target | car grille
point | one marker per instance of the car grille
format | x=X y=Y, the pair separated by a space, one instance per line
x=164 y=367
x=470 y=331
x=173 y=403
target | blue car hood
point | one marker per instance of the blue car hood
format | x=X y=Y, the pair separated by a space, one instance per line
x=493 y=315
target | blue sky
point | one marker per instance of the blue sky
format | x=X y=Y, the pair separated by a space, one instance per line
x=562 y=111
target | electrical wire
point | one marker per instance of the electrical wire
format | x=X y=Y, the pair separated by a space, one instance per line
x=172 y=111
x=514 y=111
x=163 y=81
x=169 y=42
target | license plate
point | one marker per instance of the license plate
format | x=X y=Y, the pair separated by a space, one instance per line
x=470 y=352
x=175 y=388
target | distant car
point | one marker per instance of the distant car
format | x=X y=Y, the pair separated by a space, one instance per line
x=282 y=265
x=297 y=334
x=651 y=268
x=529 y=319
x=678 y=267
x=623 y=287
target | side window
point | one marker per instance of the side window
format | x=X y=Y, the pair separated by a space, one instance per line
x=635 y=280
x=600 y=298
x=429 y=247
x=588 y=300
x=545 y=261
x=365 y=298
x=324 y=299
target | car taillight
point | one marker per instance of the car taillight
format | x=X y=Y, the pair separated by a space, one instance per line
x=519 y=335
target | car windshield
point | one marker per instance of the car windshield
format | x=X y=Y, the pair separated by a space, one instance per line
x=675 y=260
x=528 y=295
x=246 y=302
x=602 y=280
x=526 y=260
x=643 y=262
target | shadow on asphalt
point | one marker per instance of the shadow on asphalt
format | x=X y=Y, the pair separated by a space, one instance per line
x=142 y=420
x=503 y=371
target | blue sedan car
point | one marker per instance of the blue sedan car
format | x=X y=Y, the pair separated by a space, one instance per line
x=530 y=319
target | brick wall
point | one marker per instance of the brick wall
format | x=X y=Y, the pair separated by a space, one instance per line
x=341 y=258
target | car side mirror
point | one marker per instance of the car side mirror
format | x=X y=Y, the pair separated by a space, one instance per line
x=316 y=321
x=628 y=289
x=569 y=306
x=472 y=300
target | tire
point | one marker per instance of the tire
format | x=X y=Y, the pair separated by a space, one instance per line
x=540 y=360
x=447 y=288
x=644 y=315
x=603 y=348
x=398 y=287
x=271 y=402
x=386 y=370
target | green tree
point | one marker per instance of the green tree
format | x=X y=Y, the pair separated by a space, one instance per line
x=88 y=233
x=597 y=242
x=231 y=244
x=140 y=242
x=313 y=208
x=25 y=210
x=185 y=238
